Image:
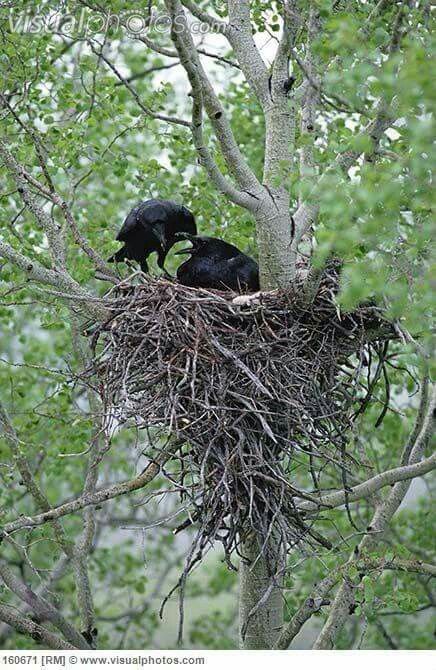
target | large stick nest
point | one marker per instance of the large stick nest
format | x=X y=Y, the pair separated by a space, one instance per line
x=250 y=391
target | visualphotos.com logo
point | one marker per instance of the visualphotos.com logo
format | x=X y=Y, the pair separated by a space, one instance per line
x=83 y=23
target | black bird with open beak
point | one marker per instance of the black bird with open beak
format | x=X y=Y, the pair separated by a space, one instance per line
x=152 y=226
x=214 y=263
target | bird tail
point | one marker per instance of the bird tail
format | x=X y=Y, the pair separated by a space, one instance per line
x=119 y=256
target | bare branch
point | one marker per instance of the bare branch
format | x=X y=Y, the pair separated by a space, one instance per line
x=26 y=626
x=99 y=263
x=60 y=280
x=311 y=605
x=384 y=512
x=171 y=53
x=54 y=233
x=216 y=24
x=206 y=96
x=318 y=597
x=164 y=51
x=205 y=156
x=147 y=111
x=147 y=71
x=42 y=608
x=49 y=226
x=240 y=36
x=384 y=118
x=306 y=214
x=23 y=467
x=42 y=591
x=99 y=446
x=150 y=472
x=371 y=486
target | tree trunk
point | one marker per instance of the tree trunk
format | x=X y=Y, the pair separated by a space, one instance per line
x=274 y=240
x=264 y=626
x=277 y=269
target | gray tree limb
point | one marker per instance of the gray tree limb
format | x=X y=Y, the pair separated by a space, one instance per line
x=42 y=591
x=216 y=24
x=23 y=467
x=39 y=633
x=97 y=498
x=371 y=486
x=240 y=35
x=60 y=280
x=205 y=96
x=51 y=229
x=42 y=608
x=317 y=598
x=383 y=514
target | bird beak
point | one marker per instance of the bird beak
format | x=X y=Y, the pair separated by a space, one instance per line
x=159 y=231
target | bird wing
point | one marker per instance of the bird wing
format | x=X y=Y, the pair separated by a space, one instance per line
x=157 y=213
x=243 y=271
x=236 y=262
x=130 y=223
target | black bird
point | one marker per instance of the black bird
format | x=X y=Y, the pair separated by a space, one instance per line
x=217 y=264
x=152 y=226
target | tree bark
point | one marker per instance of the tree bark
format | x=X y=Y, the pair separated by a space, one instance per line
x=274 y=239
x=262 y=628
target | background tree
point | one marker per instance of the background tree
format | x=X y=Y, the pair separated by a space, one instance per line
x=313 y=123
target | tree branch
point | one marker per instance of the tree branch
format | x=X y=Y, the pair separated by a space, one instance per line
x=240 y=36
x=311 y=95
x=43 y=590
x=385 y=510
x=216 y=24
x=42 y=608
x=371 y=486
x=307 y=212
x=317 y=598
x=51 y=194
x=29 y=481
x=34 y=630
x=203 y=90
x=171 y=53
x=147 y=111
x=148 y=71
x=52 y=230
x=280 y=113
x=60 y=280
x=150 y=472
x=305 y=215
